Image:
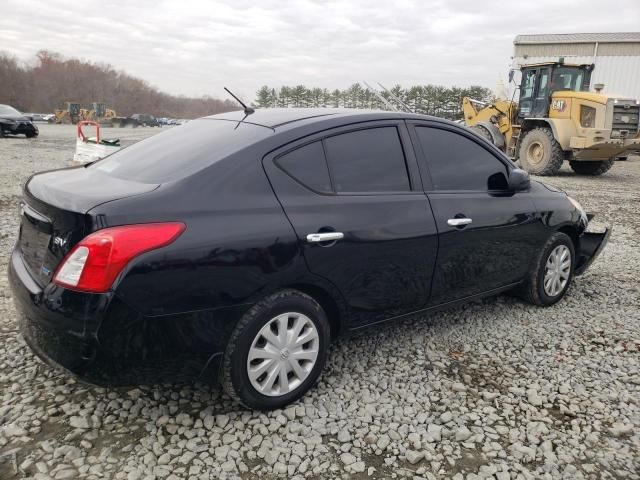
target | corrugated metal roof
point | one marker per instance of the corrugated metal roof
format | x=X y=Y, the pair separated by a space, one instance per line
x=618 y=74
x=615 y=37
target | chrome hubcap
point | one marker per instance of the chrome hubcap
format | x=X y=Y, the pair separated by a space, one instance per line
x=557 y=270
x=283 y=354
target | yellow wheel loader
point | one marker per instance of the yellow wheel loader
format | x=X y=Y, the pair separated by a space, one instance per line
x=556 y=118
x=99 y=113
x=72 y=113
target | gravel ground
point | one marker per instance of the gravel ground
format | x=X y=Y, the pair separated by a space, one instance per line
x=494 y=389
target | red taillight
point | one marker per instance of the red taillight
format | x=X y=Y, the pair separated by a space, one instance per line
x=95 y=262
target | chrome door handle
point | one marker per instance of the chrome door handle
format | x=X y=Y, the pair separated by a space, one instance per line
x=458 y=222
x=324 y=237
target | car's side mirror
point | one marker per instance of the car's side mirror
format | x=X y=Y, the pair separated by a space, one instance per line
x=518 y=180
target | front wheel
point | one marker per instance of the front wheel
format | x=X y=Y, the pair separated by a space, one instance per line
x=591 y=167
x=551 y=273
x=540 y=153
x=276 y=351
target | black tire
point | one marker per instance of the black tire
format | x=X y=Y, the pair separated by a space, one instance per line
x=532 y=290
x=31 y=135
x=540 y=153
x=482 y=132
x=235 y=379
x=591 y=167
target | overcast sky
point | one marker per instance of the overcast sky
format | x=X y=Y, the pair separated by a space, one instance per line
x=197 y=47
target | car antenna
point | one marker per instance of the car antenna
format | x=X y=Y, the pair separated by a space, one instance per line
x=247 y=110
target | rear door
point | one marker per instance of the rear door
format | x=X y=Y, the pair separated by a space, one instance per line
x=355 y=200
x=488 y=235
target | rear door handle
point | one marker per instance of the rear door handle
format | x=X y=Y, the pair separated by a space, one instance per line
x=458 y=222
x=324 y=237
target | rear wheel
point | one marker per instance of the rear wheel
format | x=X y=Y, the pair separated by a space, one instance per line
x=540 y=153
x=591 y=167
x=552 y=272
x=276 y=351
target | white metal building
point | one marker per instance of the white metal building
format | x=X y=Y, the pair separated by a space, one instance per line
x=616 y=56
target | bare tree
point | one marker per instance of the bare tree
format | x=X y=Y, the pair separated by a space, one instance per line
x=55 y=80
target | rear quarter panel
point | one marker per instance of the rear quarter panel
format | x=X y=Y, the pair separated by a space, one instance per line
x=237 y=244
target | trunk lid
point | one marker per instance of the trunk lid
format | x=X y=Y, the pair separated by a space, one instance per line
x=54 y=213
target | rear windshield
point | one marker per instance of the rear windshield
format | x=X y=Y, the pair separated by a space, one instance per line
x=180 y=151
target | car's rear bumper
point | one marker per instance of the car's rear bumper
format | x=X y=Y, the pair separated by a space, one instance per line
x=98 y=338
x=59 y=325
x=591 y=244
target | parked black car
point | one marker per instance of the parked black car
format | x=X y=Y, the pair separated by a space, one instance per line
x=12 y=122
x=145 y=120
x=243 y=247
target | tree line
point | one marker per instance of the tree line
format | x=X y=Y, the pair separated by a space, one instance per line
x=53 y=80
x=434 y=100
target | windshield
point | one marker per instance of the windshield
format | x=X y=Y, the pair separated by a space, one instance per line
x=7 y=110
x=180 y=151
x=568 y=78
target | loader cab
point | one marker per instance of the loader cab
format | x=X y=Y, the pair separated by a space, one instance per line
x=538 y=82
x=73 y=108
x=100 y=109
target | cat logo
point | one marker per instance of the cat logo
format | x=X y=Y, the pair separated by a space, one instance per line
x=559 y=105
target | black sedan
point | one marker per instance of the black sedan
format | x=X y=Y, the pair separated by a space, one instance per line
x=238 y=249
x=145 y=120
x=12 y=122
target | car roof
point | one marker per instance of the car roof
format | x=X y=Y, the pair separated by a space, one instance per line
x=279 y=117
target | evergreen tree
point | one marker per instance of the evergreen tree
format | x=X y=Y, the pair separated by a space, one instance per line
x=424 y=99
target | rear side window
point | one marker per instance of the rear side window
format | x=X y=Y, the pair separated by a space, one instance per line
x=308 y=166
x=457 y=162
x=180 y=151
x=370 y=160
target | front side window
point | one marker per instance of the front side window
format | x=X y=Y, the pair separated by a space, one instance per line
x=543 y=88
x=458 y=163
x=369 y=160
x=568 y=78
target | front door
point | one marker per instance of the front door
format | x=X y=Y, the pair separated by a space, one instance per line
x=542 y=94
x=488 y=235
x=534 y=93
x=355 y=200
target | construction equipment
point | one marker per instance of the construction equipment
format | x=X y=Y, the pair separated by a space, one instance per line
x=70 y=114
x=98 y=113
x=558 y=119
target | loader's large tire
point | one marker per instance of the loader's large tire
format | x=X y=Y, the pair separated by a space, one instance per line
x=591 y=167
x=540 y=153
